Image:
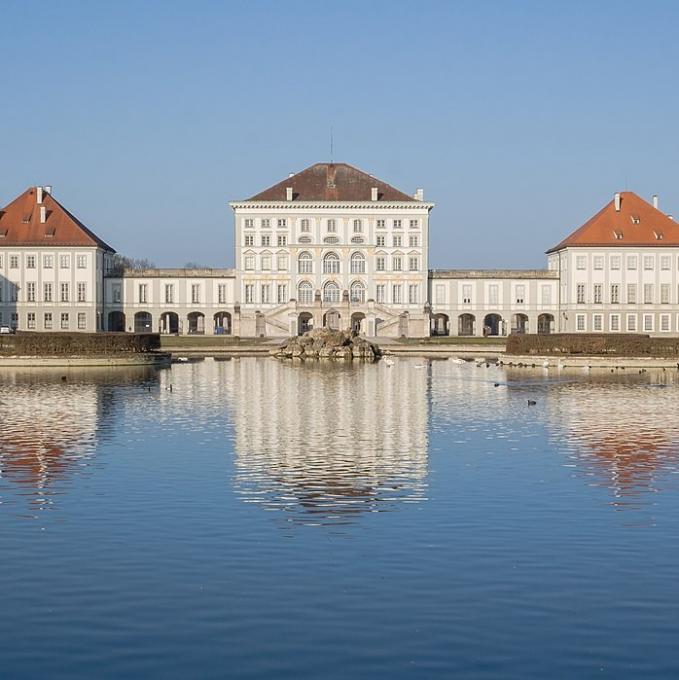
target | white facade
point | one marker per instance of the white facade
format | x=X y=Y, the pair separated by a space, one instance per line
x=362 y=265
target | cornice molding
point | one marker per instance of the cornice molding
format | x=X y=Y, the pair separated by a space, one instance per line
x=328 y=205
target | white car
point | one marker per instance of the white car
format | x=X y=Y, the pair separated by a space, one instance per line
x=5 y=330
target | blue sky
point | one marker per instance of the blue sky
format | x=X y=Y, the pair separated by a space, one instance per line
x=519 y=119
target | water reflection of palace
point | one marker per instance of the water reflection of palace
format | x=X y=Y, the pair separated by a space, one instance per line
x=619 y=430
x=327 y=442
x=51 y=422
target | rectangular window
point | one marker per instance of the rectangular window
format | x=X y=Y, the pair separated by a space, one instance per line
x=282 y=240
x=282 y=263
x=598 y=262
x=648 y=293
x=195 y=293
x=282 y=222
x=48 y=261
x=249 y=262
x=615 y=323
x=65 y=293
x=30 y=320
x=266 y=293
x=414 y=224
x=266 y=262
x=414 y=240
x=665 y=323
x=282 y=293
x=249 y=223
x=440 y=293
x=648 y=263
x=358 y=226
x=615 y=293
x=64 y=321
x=13 y=292
x=648 y=322
x=82 y=321
x=82 y=291
x=249 y=240
x=266 y=240
x=381 y=224
x=397 y=263
x=266 y=223
x=397 y=240
x=581 y=262
x=615 y=262
x=546 y=295
x=30 y=261
x=412 y=294
x=380 y=291
x=520 y=294
x=598 y=323
x=249 y=293
x=396 y=294
x=397 y=224
x=413 y=264
x=221 y=293
x=47 y=292
x=116 y=292
x=664 y=293
x=665 y=263
x=580 y=322
x=598 y=295
x=631 y=293
x=631 y=262
x=82 y=262
x=14 y=262
x=580 y=291
x=47 y=321
x=380 y=263
x=332 y=226
x=169 y=293
x=30 y=291
x=142 y=293
x=380 y=240
x=493 y=293
x=64 y=262
x=466 y=294
x=631 y=323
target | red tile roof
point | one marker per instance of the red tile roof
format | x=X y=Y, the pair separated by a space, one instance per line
x=20 y=224
x=331 y=182
x=637 y=223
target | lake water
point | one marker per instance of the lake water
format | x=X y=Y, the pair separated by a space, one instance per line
x=265 y=520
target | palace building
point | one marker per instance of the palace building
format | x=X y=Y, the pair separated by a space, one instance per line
x=333 y=246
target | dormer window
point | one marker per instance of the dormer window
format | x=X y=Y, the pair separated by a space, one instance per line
x=26 y=219
x=635 y=219
x=617 y=235
x=658 y=235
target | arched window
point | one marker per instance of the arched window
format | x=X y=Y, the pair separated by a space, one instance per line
x=331 y=264
x=358 y=263
x=331 y=292
x=332 y=226
x=305 y=263
x=358 y=227
x=305 y=225
x=357 y=292
x=305 y=293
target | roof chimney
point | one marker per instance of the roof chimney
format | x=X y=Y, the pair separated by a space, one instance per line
x=617 y=201
x=288 y=193
x=291 y=174
x=655 y=201
x=419 y=195
x=48 y=189
x=671 y=217
x=373 y=193
x=38 y=195
x=43 y=214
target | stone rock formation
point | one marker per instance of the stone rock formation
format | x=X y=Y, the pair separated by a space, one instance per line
x=323 y=343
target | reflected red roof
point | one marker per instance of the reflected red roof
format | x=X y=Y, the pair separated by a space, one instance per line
x=637 y=223
x=20 y=224
x=331 y=182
